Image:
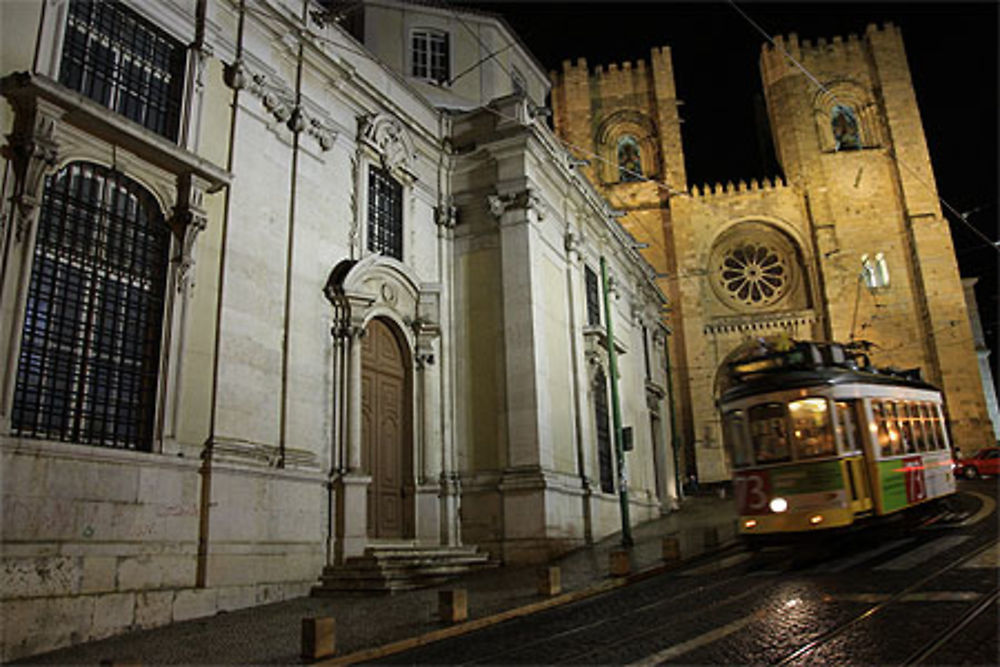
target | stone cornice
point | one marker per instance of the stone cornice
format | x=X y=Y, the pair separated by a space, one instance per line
x=80 y=112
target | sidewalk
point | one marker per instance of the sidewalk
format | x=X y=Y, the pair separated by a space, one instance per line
x=367 y=625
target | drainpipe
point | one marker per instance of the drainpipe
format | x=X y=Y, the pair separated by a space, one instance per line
x=616 y=413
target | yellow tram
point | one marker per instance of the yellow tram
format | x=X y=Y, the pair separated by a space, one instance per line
x=820 y=440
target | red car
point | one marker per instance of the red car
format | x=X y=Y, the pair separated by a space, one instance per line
x=984 y=462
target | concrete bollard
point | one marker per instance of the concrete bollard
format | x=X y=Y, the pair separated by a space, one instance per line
x=620 y=565
x=671 y=549
x=453 y=605
x=711 y=537
x=318 y=637
x=549 y=581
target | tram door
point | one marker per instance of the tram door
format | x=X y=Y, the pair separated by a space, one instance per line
x=850 y=417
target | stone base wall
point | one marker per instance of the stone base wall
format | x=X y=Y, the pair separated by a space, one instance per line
x=39 y=624
x=100 y=541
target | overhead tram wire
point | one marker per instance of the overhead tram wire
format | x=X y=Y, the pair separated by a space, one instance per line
x=993 y=244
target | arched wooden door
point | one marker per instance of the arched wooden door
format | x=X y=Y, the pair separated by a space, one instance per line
x=385 y=433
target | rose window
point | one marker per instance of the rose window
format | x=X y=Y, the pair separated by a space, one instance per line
x=754 y=274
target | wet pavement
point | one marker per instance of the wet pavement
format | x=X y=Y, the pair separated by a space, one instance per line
x=372 y=625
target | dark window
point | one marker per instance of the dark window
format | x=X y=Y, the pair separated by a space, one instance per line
x=629 y=160
x=117 y=59
x=645 y=351
x=385 y=214
x=845 y=128
x=603 y=432
x=90 y=347
x=593 y=298
x=430 y=55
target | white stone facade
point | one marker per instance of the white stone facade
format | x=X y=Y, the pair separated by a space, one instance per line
x=256 y=472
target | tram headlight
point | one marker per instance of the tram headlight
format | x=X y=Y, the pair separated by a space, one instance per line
x=750 y=523
x=778 y=505
x=816 y=519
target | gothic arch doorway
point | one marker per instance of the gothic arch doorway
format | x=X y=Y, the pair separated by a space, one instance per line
x=386 y=452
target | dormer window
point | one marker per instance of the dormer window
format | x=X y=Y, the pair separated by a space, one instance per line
x=429 y=55
x=119 y=60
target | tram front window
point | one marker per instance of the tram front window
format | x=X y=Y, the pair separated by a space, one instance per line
x=847 y=427
x=811 y=429
x=769 y=433
x=735 y=439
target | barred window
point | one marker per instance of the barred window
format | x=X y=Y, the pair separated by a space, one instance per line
x=603 y=432
x=125 y=63
x=385 y=213
x=430 y=55
x=593 y=297
x=90 y=345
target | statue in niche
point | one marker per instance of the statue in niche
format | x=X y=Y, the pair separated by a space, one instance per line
x=845 y=129
x=629 y=160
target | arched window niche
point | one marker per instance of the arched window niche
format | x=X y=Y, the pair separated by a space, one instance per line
x=844 y=123
x=629 y=160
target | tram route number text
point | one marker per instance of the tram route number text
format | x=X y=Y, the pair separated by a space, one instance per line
x=752 y=492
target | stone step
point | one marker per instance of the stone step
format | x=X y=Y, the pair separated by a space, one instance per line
x=401 y=567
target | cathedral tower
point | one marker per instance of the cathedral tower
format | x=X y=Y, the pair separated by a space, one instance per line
x=849 y=244
x=851 y=138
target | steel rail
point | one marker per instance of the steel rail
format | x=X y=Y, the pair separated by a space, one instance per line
x=838 y=630
x=492 y=658
x=978 y=608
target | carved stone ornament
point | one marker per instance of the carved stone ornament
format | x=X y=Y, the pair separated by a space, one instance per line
x=446 y=213
x=33 y=151
x=188 y=221
x=526 y=199
x=392 y=142
x=280 y=102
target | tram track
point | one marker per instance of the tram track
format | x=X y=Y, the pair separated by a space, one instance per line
x=976 y=608
x=497 y=657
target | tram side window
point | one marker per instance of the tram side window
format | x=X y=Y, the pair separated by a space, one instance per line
x=736 y=440
x=769 y=433
x=905 y=436
x=927 y=417
x=939 y=425
x=917 y=424
x=847 y=426
x=811 y=430
x=888 y=437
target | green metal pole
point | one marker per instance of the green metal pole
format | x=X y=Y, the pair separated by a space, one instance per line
x=616 y=412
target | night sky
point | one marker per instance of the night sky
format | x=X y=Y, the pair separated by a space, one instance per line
x=953 y=55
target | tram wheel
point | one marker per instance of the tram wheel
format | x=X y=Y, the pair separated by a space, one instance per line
x=970 y=472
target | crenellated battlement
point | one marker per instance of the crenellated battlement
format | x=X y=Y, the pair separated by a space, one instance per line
x=740 y=187
x=836 y=46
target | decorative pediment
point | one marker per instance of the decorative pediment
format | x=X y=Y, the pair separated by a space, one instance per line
x=391 y=142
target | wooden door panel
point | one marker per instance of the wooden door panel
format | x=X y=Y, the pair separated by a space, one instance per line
x=384 y=441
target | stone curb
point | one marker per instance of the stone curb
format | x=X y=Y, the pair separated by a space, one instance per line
x=365 y=655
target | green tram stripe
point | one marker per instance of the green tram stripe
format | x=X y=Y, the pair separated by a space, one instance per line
x=893 y=482
x=807 y=478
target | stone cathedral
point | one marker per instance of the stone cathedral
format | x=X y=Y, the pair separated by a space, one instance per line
x=849 y=242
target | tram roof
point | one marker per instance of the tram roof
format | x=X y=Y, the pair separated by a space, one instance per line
x=811 y=364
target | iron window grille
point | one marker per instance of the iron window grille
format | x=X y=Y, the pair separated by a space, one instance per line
x=603 y=432
x=385 y=213
x=593 y=297
x=429 y=55
x=90 y=344
x=125 y=63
